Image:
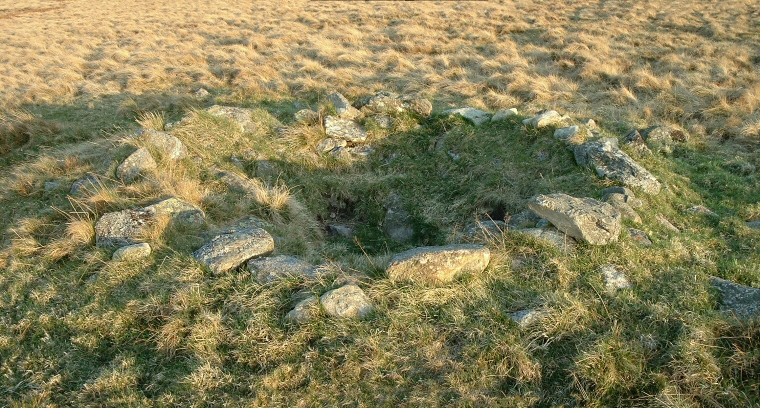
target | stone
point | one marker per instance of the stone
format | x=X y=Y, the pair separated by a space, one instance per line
x=701 y=210
x=441 y=264
x=620 y=202
x=639 y=237
x=636 y=142
x=585 y=219
x=609 y=161
x=138 y=163
x=354 y=152
x=347 y=301
x=527 y=317
x=503 y=114
x=630 y=200
x=753 y=224
x=270 y=269
x=543 y=223
x=662 y=138
x=84 y=185
x=524 y=219
x=239 y=116
x=306 y=116
x=266 y=169
x=179 y=211
x=238 y=182
x=487 y=229
x=343 y=106
x=384 y=103
x=329 y=144
x=590 y=124
x=132 y=252
x=304 y=310
x=551 y=236
x=397 y=221
x=201 y=93
x=566 y=132
x=344 y=129
x=121 y=228
x=384 y=122
x=250 y=222
x=340 y=230
x=228 y=251
x=617 y=190
x=171 y=147
x=614 y=279
x=476 y=116
x=667 y=224
x=543 y=119
x=742 y=301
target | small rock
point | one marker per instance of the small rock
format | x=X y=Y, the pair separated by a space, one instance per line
x=546 y=118
x=636 y=142
x=84 y=185
x=228 y=251
x=269 y=269
x=121 y=228
x=348 y=301
x=620 y=202
x=667 y=224
x=344 y=129
x=201 y=93
x=524 y=219
x=527 y=317
x=343 y=106
x=566 y=132
x=240 y=116
x=383 y=122
x=702 y=210
x=306 y=116
x=503 y=114
x=137 y=164
x=753 y=224
x=438 y=264
x=304 y=310
x=590 y=124
x=171 y=147
x=585 y=219
x=640 y=237
x=238 y=182
x=742 y=301
x=389 y=103
x=179 y=211
x=487 y=229
x=397 y=220
x=329 y=144
x=614 y=279
x=557 y=239
x=477 y=117
x=340 y=230
x=132 y=252
x=662 y=138
x=609 y=161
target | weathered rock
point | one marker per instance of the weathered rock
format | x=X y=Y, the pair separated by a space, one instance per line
x=590 y=124
x=352 y=152
x=585 y=219
x=340 y=230
x=397 y=221
x=269 y=269
x=344 y=129
x=527 y=317
x=663 y=138
x=742 y=301
x=250 y=222
x=630 y=200
x=240 y=116
x=503 y=114
x=201 y=93
x=384 y=122
x=566 y=132
x=609 y=161
x=618 y=190
x=614 y=279
x=228 y=251
x=667 y=224
x=306 y=116
x=620 y=202
x=84 y=185
x=347 y=301
x=389 y=103
x=557 y=239
x=639 y=237
x=121 y=228
x=546 y=118
x=487 y=229
x=132 y=252
x=179 y=211
x=304 y=310
x=438 y=264
x=524 y=219
x=238 y=182
x=171 y=147
x=328 y=144
x=702 y=210
x=343 y=106
x=476 y=116
x=753 y=224
x=52 y=185
x=636 y=142
x=138 y=163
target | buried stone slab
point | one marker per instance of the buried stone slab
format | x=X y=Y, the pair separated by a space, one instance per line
x=438 y=264
x=614 y=279
x=171 y=147
x=270 y=269
x=121 y=228
x=229 y=250
x=476 y=116
x=486 y=229
x=584 y=219
x=397 y=220
x=344 y=129
x=347 y=301
x=609 y=161
x=138 y=163
x=180 y=211
x=239 y=116
x=742 y=301
x=132 y=252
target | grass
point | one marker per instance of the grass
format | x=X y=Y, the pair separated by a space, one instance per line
x=79 y=329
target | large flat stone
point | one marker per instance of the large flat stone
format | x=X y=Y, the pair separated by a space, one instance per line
x=585 y=219
x=121 y=228
x=347 y=301
x=270 y=269
x=439 y=264
x=229 y=250
x=609 y=161
x=344 y=129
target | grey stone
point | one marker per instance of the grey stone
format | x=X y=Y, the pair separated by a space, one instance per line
x=639 y=237
x=343 y=106
x=566 y=132
x=397 y=221
x=304 y=310
x=701 y=210
x=201 y=93
x=617 y=190
x=543 y=223
x=742 y=301
x=228 y=251
x=384 y=103
x=476 y=116
x=340 y=230
x=667 y=224
x=620 y=202
x=347 y=301
x=306 y=116
x=352 y=152
x=663 y=138
x=238 y=182
x=636 y=142
x=344 y=129
x=132 y=252
x=614 y=279
x=171 y=147
x=590 y=124
x=138 y=163
x=240 y=116
x=557 y=239
x=250 y=222
x=438 y=264
x=524 y=219
x=503 y=114
x=179 y=211
x=121 y=228
x=630 y=200
x=270 y=269
x=754 y=224
x=527 y=317
x=586 y=219
x=546 y=118
x=328 y=144
x=609 y=161
x=84 y=185
x=384 y=122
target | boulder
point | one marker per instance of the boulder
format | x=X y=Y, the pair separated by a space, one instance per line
x=121 y=228
x=239 y=116
x=132 y=252
x=584 y=219
x=397 y=221
x=438 y=264
x=171 y=147
x=620 y=202
x=304 y=310
x=476 y=116
x=609 y=161
x=347 y=301
x=639 y=237
x=229 y=250
x=545 y=118
x=742 y=301
x=561 y=241
x=306 y=116
x=180 y=211
x=503 y=114
x=138 y=163
x=343 y=106
x=344 y=129
x=270 y=269
x=614 y=279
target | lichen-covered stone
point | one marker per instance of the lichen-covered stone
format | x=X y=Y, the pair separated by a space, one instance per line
x=614 y=279
x=476 y=116
x=585 y=219
x=132 y=252
x=546 y=118
x=639 y=237
x=270 y=269
x=343 y=106
x=344 y=129
x=306 y=116
x=180 y=211
x=503 y=114
x=171 y=147
x=702 y=210
x=329 y=144
x=742 y=301
x=304 y=310
x=438 y=264
x=240 y=116
x=620 y=202
x=384 y=103
x=609 y=161
x=348 y=301
x=121 y=228
x=228 y=251
x=138 y=163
